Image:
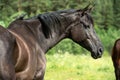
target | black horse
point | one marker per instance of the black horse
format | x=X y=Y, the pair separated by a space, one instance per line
x=23 y=55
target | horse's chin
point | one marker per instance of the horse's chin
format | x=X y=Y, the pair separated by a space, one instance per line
x=94 y=56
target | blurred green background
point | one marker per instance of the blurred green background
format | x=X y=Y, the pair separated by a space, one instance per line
x=69 y=60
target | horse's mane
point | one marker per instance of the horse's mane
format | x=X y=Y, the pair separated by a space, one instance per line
x=50 y=21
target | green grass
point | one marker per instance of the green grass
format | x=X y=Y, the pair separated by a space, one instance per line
x=78 y=67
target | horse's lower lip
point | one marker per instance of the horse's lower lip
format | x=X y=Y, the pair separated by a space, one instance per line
x=95 y=56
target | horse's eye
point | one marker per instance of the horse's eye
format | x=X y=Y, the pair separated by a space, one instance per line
x=85 y=25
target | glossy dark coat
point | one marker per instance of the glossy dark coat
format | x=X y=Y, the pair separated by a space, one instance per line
x=23 y=58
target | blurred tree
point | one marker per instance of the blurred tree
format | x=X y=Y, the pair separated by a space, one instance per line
x=103 y=13
x=116 y=9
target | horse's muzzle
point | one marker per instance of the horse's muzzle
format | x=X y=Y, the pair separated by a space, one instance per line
x=98 y=54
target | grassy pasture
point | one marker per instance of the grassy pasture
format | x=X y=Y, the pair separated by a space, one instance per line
x=78 y=67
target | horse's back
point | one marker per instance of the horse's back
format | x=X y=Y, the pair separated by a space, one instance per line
x=6 y=48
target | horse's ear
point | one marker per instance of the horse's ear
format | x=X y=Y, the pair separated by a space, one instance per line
x=87 y=9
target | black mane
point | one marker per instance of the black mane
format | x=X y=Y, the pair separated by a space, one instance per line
x=50 y=21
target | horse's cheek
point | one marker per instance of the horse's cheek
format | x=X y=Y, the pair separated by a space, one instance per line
x=76 y=35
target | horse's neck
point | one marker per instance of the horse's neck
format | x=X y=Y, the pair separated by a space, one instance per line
x=50 y=42
x=56 y=37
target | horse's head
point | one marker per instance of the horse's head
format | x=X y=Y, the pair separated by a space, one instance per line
x=82 y=32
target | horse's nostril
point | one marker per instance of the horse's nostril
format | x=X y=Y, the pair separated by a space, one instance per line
x=100 y=51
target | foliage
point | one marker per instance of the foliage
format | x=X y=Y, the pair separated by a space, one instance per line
x=78 y=67
x=117 y=13
x=2 y=23
x=67 y=46
x=103 y=14
x=108 y=37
